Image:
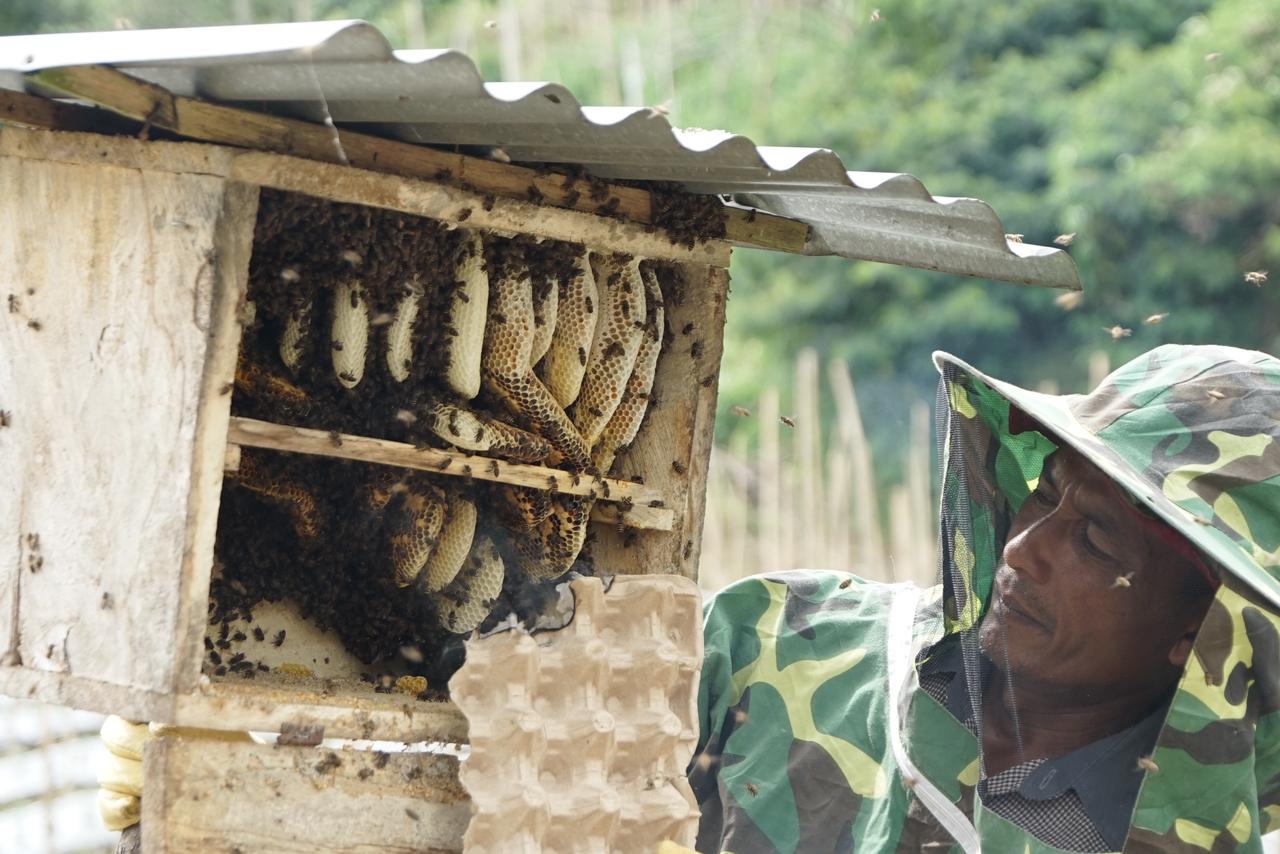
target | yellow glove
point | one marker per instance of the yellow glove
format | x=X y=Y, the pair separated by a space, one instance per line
x=668 y=847
x=120 y=773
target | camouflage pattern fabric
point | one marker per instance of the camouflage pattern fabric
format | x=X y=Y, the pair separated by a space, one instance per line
x=794 y=699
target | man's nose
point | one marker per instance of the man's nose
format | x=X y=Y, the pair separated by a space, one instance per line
x=1034 y=550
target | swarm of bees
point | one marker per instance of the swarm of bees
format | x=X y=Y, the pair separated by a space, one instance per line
x=455 y=339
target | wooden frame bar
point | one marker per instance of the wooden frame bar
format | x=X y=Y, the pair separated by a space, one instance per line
x=641 y=510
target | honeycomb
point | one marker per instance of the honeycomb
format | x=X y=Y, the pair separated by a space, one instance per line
x=580 y=737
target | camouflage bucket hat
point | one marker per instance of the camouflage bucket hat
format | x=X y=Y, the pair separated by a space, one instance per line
x=1192 y=433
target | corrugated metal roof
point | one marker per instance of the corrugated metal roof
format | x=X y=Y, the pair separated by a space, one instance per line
x=347 y=72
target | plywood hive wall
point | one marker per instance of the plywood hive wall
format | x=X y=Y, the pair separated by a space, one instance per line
x=125 y=274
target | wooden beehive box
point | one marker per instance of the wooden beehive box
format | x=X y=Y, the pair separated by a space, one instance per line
x=124 y=268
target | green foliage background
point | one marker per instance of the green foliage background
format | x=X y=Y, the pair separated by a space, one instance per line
x=1150 y=128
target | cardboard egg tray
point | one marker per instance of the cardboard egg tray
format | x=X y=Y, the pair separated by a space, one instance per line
x=580 y=737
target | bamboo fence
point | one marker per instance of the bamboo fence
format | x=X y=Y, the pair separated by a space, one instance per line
x=800 y=499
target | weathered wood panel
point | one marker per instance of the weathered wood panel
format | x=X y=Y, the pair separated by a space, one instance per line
x=203 y=795
x=113 y=281
x=673 y=447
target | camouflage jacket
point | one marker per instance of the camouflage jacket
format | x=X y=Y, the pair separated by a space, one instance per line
x=815 y=736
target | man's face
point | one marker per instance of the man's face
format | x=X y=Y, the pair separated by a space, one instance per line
x=1088 y=601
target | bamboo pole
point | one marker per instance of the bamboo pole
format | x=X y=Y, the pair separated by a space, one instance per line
x=811 y=535
x=868 y=541
x=770 y=463
x=920 y=495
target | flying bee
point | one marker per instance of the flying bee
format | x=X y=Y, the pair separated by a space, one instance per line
x=788 y=420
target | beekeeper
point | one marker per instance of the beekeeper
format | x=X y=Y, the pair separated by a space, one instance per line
x=1098 y=668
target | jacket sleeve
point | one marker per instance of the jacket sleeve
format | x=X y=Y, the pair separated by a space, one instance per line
x=726 y=634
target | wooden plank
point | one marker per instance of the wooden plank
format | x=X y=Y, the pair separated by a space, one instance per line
x=761 y=230
x=103 y=349
x=211 y=795
x=208 y=122
x=40 y=112
x=263 y=705
x=218 y=313
x=674 y=444
x=451 y=204
x=252 y=433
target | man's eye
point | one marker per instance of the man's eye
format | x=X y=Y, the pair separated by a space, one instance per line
x=1044 y=499
x=1091 y=545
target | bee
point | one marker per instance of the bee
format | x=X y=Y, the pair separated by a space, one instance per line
x=688 y=327
x=707 y=381
x=259 y=634
x=208 y=642
x=678 y=467
x=497 y=317
x=591 y=307
x=1256 y=278
x=337 y=345
x=464 y=214
x=35 y=325
x=236 y=659
x=629 y=538
x=226 y=388
x=614 y=350
x=626 y=310
x=493 y=468
x=688 y=549
x=845 y=584
x=741 y=411
x=444 y=463
x=1065 y=240
x=657 y=502
x=1214 y=394
x=220 y=671
x=552 y=483
x=278 y=639
x=696 y=350
x=1014 y=238
x=788 y=420
x=466 y=471
x=595 y=411
x=335 y=438
x=1153 y=319
x=223 y=645
x=248 y=673
x=224 y=631
x=13 y=304
x=582 y=356
x=214 y=657
x=1117 y=332
x=1146 y=763
x=753 y=789
x=238 y=636
x=1125 y=580
x=571 y=198
x=575 y=478
x=488 y=201
x=604 y=488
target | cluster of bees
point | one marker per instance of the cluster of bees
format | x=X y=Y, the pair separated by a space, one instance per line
x=374 y=323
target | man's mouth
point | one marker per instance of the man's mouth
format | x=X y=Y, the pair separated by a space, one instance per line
x=1019 y=609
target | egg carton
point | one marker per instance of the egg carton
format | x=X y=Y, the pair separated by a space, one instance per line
x=580 y=737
